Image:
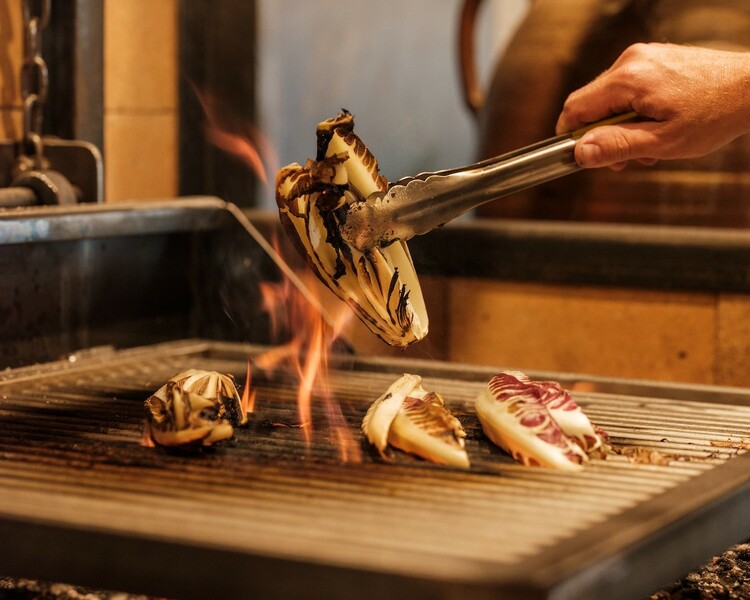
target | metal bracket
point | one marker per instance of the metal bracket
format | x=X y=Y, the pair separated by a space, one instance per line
x=78 y=161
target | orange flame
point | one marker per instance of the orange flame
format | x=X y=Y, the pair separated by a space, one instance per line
x=306 y=356
x=306 y=353
x=146 y=439
x=248 y=394
x=244 y=141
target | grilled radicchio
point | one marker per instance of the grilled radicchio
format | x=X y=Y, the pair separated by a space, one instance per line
x=538 y=422
x=380 y=285
x=194 y=408
x=412 y=419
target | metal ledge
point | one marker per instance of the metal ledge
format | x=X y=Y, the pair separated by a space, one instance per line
x=92 y=221
x=643 y=256
x=676 y=258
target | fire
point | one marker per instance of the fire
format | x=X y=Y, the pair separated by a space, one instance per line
x=244 y=141
x=295 y=317
x=306 y=356
x=146 y=440
x=248 y=394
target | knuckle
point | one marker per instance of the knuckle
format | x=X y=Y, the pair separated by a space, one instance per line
x=569 y=103
x=620 y=146
x=637 y=50
x=573 y=106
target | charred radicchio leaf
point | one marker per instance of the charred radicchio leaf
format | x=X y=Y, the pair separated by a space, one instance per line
x=380 y=285
x=414 y=420
x=537 y=422
x=194 y=408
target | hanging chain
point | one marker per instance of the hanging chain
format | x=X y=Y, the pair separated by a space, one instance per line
x=34 y=84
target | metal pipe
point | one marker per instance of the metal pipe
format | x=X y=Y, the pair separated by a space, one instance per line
x=17 y=196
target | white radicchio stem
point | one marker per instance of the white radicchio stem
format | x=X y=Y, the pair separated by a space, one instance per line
x=538 y=423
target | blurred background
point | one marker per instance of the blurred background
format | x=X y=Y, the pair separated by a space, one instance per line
x=180 y=97
x=393 y=64
x=136 y=79
x=275 y=68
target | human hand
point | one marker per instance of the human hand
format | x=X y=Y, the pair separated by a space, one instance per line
x=692 y=101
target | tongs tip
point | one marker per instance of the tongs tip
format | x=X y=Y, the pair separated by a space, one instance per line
x=362 y=225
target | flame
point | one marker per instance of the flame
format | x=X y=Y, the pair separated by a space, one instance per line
x=146 y=439
x=243 y=140
x=306 y=356
x=248 y=394
x=294 y=316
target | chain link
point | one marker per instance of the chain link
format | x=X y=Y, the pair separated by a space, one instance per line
x=34 y=83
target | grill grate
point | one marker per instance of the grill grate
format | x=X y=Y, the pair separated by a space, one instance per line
x=280 y=513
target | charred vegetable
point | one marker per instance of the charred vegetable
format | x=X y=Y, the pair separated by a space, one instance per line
x=412 y=419
x=538 y=422
x=194 y=408
x=380 y=285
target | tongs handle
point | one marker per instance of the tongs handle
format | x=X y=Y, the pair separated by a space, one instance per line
x=416 y=205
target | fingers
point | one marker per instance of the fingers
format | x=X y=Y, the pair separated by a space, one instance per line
x=647 y=162
x=620 y=89
x=615 y=145
x=598 y=100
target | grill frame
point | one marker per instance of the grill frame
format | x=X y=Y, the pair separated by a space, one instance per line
x=624 y=556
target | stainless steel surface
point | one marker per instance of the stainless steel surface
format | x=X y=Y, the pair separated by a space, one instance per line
x=267 y=516
x=125 y=275
x=416 y=205
x=134 y=274
x=98 y=221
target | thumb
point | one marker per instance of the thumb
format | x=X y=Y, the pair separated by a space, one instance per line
x=613 y=144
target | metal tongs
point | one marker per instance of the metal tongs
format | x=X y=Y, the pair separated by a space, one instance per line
x=416 y=205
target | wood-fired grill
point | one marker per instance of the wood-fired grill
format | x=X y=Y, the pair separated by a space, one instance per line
x=267 y=516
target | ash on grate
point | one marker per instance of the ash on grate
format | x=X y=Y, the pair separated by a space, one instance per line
x=29 y=589
x=725 y=577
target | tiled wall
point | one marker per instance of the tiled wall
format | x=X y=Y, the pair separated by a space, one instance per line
x=685 y=337
x=702 y=338
x=140 y=94
x=690 y=337
x=140 y=99
x=11 y=53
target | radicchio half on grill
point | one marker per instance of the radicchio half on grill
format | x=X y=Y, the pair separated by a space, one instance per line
x=410 y=418
x=538 y=422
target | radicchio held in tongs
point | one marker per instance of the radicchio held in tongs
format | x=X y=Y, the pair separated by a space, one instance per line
x=379 y=284
x=538 y=422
